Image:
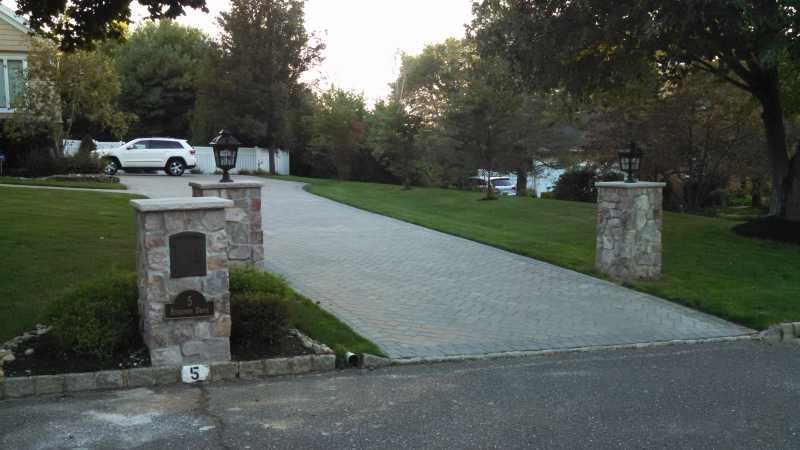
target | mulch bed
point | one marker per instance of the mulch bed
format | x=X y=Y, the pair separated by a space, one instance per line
x=49 y=358
x=771 y=228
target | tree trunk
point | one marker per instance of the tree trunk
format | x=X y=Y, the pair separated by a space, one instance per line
x=785 y=199
x=271 y=152
x=522 y=181
x=755 y=193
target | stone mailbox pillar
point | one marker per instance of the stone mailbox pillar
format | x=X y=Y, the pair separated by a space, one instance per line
x=629 y=229
x=243 y=219
x=182 y=263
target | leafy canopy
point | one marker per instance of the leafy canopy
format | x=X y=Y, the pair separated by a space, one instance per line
x=79 y=23
x=159 y=66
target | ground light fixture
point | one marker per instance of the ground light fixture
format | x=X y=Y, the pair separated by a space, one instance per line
x=630 y=160
x=226 y=149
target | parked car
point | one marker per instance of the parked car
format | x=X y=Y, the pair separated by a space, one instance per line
x=502 y=185
x=173 y=156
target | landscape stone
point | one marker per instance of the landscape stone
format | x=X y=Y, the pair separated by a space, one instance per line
x=176 y=342
x=166 y=375
x=243 y=220
x=110 y=379
x=629 y=230
x=16 y=387
x=141 y=377
x=224 y=371
x=77 y=382
x=323 y=363
x=49 y=384
x=166 y=356
x=301 y=364
x=251 y=369
x=277 y=366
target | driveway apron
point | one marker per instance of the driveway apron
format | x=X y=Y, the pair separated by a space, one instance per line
x=419 y=293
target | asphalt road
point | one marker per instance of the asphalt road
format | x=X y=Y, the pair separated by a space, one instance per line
x=734 y=395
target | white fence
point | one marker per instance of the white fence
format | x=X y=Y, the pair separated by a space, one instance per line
x=71 y=146
x=252 y=159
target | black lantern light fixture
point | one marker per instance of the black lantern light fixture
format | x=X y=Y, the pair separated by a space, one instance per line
x=226 y=149
x=629 y=161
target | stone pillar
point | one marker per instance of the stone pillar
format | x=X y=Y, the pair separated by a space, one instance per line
x=243 y=220
x=182 y=263
x=629 y=230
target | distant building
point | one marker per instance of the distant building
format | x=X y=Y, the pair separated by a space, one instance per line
x=15 y=44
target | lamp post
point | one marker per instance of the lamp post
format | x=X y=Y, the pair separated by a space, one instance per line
x=226 y=149
x=630 y=160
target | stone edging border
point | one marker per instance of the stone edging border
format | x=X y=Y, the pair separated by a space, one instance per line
x=18 y=387
x=520 y=354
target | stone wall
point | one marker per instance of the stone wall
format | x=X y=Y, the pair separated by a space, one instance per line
x=182 y=341
x=243 y=219
x=629 y=219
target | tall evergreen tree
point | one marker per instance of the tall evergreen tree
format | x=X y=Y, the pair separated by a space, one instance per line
x=253 y=75
x=159 y=67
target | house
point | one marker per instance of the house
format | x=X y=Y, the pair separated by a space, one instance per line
x=15 y=43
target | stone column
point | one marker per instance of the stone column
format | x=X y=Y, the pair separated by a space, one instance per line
x=243 y=220
x=629 y=230
x=182 y=263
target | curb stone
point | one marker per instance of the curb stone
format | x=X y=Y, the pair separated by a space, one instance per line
x=17 y=387
x=520 y=354
x=782 y=332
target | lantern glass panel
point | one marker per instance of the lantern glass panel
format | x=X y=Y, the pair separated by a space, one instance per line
x=635 y=163
x=624 y=163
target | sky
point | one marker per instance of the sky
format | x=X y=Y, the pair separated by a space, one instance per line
x=363 y=37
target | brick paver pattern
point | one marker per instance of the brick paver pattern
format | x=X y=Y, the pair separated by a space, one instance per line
x=419 y=293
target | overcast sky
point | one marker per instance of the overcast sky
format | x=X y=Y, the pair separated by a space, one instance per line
x=363 y=37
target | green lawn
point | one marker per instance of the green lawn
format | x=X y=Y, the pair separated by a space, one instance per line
x=66 y=184
x=50 y=239
x=53 y=239
x=706 y=266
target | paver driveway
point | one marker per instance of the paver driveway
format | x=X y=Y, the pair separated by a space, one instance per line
x=421 y=293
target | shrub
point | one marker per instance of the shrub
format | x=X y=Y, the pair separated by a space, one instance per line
x=578 y=185
x=246 y=280
x=258 y=320
x=97 y=317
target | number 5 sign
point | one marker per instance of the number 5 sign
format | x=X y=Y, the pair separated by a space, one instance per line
x=195 y=373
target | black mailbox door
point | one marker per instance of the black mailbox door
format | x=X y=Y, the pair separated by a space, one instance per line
x=187 y=255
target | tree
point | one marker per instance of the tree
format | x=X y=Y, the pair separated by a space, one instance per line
x=393 y=136
x=339 y=126
x=742 y=42
x=479 y=117
x=62 y=88
x=159 y=67
x=427 y=81
x=77 y=24
x=696 y=132
x=253 y=74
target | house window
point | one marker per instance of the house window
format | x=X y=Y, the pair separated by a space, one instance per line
x=12 y=80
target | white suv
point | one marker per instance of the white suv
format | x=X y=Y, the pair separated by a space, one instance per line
x=173 y=156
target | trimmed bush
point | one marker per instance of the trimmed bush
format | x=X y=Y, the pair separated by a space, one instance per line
x=247 y=280
x=258 y=320
x=97 y=317
x=578 y=185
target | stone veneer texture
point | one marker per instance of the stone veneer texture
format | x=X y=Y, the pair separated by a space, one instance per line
x=243 y=219
x=183 y=341
x=629 y=219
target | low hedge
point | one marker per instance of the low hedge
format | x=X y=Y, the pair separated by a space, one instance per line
x=98 y=317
